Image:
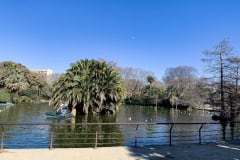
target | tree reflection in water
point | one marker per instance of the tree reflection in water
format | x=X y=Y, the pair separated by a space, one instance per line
x=82 y=134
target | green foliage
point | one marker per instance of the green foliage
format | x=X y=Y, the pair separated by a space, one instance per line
x=46 y=92
x=4 y=95
x=24 y=99
x=18 y=80
x=16 y=77
x=150 y=79
x=152 y=91
x=88 y=85
x=28 y=92
x=149 y=96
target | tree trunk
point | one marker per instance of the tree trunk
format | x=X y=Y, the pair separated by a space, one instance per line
x=85 y=108
x=223 y=113
x=73 y=112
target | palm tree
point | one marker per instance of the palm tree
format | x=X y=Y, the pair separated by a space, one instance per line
x=150 y=80
x=88 y=85
x=17 y=78
x=13 y=78
x=173 y=95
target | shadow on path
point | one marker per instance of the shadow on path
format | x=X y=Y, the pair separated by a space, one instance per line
x=209 y=151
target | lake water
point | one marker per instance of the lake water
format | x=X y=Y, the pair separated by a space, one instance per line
x=38 y=136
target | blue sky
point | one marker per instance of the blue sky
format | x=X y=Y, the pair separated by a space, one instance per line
x=149 y=34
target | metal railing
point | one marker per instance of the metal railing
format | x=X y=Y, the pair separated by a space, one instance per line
x=54 y=135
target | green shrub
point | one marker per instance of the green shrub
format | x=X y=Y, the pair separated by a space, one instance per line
x=4 y=95
x=24 y=99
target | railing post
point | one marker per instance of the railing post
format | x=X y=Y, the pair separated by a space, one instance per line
x=136 y=136
x=200 y=135
x=224 y=124
x=96 y=138
x=170 y=134
x=2 y=137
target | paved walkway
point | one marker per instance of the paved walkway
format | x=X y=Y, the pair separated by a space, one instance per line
x=213 y=151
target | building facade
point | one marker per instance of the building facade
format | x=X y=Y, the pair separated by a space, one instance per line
x=44 y=73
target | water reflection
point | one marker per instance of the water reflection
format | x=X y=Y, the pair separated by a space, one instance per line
x=85 y=135
x=25 y=136
x=38 y=136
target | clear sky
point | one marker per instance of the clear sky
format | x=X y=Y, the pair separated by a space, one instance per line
x=149 y=34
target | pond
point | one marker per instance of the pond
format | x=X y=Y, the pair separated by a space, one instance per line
x=38 y=136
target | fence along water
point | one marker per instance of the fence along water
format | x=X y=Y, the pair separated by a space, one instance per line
x=77 y=135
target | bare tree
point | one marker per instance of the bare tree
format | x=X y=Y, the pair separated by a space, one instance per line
x=134 y=79
x=234 y=77
x=217 y=60
x=235 y=71
x=181 y=83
